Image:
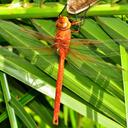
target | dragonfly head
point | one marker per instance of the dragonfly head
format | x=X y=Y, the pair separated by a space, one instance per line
x=63 y=23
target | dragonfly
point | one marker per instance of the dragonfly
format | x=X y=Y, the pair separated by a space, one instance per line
x=62 y=42
x=77 y=6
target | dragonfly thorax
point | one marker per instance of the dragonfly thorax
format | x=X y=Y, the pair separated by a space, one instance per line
x=63 y=23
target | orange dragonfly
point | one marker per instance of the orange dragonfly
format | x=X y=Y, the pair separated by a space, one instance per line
x=62 y=43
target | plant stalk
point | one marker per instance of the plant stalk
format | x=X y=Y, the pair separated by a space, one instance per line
x=53 y=9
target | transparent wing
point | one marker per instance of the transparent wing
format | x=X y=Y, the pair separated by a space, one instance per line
x=100 y=47
x=94 y=66
x=85 y=42
x=38 y=35
x=41 y=50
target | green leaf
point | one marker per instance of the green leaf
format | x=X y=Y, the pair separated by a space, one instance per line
x=86 y=90
x=7 y=98
x=116 y=28
x=124 y=60
x=22 y=114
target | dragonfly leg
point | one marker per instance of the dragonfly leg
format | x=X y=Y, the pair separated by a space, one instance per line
x=75 y=31
x=75 y=23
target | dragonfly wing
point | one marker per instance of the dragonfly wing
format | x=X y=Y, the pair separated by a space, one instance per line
x=105 y=74
x=42 y=50
x=39 y=35
x=85 y=42
x=92 y=65
x=99 y=47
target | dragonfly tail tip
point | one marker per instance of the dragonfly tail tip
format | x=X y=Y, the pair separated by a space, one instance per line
x=55 y=121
